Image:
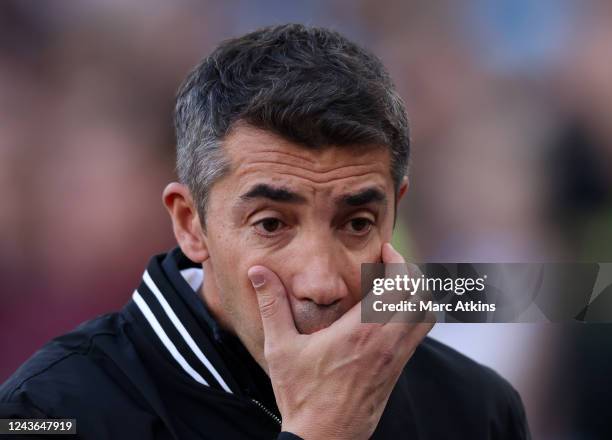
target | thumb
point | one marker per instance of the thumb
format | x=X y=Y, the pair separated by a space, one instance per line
x=274 y=307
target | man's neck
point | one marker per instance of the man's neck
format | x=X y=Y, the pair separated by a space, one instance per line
x=210 y=295
x=212 y=298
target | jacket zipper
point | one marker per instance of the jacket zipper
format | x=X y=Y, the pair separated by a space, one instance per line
x=268 y=412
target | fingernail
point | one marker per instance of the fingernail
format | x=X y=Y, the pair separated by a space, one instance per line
x=257 y=280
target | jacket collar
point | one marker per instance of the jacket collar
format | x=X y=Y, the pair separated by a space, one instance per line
x=184 y=329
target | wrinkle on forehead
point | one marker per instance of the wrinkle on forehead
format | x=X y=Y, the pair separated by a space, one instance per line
x=259 y=156
x=249 y=145
x=293 y=156
x=273 y=169
x=252 y=151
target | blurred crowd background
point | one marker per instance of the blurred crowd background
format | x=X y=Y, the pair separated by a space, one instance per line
x=511 y=109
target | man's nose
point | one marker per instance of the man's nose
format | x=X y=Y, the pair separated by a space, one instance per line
x=319 y=280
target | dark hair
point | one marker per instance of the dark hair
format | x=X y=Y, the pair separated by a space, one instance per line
x=309 y=85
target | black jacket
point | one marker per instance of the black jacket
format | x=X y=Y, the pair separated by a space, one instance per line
x=162 y=368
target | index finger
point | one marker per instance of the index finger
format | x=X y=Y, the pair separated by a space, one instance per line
x=396 y=266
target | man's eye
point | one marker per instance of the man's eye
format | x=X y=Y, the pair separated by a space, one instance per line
x=268 y=226
x=359 y=225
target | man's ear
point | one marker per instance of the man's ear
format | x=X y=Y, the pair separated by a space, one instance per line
x=185 y=222
x=403 y=188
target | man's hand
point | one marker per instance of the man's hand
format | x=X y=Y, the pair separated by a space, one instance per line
x=334 y=383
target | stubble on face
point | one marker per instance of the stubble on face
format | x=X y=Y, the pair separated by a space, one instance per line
x=319 y=176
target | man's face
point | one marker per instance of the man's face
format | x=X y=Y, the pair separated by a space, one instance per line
x=310 y=216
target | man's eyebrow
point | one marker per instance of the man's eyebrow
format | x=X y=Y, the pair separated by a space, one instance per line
x=363 y=197
x=275 y=194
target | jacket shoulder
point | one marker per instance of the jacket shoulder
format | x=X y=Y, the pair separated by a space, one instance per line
x=447 y=361
x=65 y=373
x=466 y=384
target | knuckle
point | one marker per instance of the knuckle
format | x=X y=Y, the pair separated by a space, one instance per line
x=267 y=305
x=404 y=332
x=362 y=334
x=384 y=359
x=386 y=355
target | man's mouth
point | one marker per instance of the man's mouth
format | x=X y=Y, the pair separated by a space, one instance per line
x=310 y=317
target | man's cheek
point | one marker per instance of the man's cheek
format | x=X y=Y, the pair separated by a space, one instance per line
x=372 y=253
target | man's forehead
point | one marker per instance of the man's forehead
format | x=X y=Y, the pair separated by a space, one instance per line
x=250 y=149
